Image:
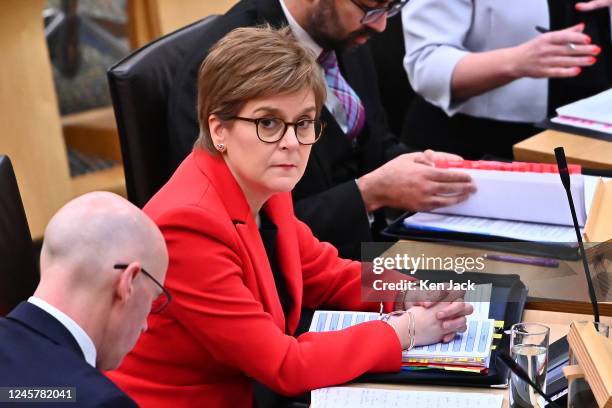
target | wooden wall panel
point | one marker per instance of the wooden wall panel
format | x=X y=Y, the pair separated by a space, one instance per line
x=149 y=19
x=30 y=129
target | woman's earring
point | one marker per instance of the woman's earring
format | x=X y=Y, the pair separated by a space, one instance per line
x=221 y=147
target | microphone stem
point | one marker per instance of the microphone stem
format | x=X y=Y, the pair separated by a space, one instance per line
x=584 y=258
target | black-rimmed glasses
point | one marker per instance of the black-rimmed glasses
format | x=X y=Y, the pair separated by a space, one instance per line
x=371 y=14
x=162 y=300
x=271 y=130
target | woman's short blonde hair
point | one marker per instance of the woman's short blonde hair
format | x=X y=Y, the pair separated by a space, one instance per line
x=250 y=63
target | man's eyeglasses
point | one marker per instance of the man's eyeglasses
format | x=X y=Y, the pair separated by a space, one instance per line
x=162 y=300
x=271 y=130
x=371 y=14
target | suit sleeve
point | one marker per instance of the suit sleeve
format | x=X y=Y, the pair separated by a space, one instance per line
x=337 y=215
x=393 y=147
x=380 y=144
x=221 y=313
x=117 y=402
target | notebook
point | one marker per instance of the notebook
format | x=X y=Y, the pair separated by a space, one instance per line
x=590 y=113
x=469 y=350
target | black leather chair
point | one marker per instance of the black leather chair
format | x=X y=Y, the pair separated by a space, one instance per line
x=139 y=86
x=18 y=271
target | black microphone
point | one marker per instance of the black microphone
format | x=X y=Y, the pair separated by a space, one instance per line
x=565 y=179
x=518 y=370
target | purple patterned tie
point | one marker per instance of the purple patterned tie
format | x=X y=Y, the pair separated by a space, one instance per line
x=343 y=91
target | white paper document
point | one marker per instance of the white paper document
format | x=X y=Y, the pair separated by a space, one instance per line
x=525 y=231
x=349 y=397
x=331 y=320
x=583 y=124
x=517 y=196
x=480 y=299
x=597 y=108
x=474 y=343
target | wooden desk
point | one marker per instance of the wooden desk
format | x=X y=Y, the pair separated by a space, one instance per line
x=586 y=151
x=559 y=327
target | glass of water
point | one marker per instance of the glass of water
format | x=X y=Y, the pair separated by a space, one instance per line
x=529 y=348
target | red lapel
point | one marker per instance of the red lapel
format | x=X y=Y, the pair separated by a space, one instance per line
x=280 y=210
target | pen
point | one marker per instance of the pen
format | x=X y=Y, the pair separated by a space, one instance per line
x=547 y=262
x=543 y=30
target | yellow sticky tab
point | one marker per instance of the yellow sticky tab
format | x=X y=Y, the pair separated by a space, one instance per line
x=493 y=347
x=499 y=324
x=497 y=335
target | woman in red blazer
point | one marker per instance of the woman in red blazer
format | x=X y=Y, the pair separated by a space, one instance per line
x=260 y=94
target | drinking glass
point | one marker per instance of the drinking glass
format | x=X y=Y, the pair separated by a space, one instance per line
x=529 y=349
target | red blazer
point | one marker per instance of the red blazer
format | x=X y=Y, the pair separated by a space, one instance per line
x=225 y=324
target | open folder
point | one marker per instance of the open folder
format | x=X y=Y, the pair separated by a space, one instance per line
x=469 y=351
x=593 y=113
x=508 y=296
x=522 y=196
x=522 y=206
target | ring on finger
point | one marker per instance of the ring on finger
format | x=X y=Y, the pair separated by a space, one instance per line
x=571 y=46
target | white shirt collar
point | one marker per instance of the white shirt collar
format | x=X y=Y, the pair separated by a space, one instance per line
x=302 y=36
x=84 y=341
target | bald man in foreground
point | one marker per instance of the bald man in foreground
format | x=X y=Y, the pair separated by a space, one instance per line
x=103 y=264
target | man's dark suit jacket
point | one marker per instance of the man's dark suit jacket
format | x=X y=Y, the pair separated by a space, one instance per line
x=36 y=350
x=326 y=198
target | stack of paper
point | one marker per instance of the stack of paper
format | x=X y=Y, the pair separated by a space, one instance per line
x=593 y=113
x=478 y=216
x=353 y=397
x=468 y=351
x=525 y=231
x=521 y=196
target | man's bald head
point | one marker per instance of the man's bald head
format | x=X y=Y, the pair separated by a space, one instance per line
x=95 y=231
x=83 y=242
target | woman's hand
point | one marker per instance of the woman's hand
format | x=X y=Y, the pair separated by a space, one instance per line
x=426 y=297
x=554 y=54
x=432 y=156
x=410 y=182
x=432 y=325
x=593 y=5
